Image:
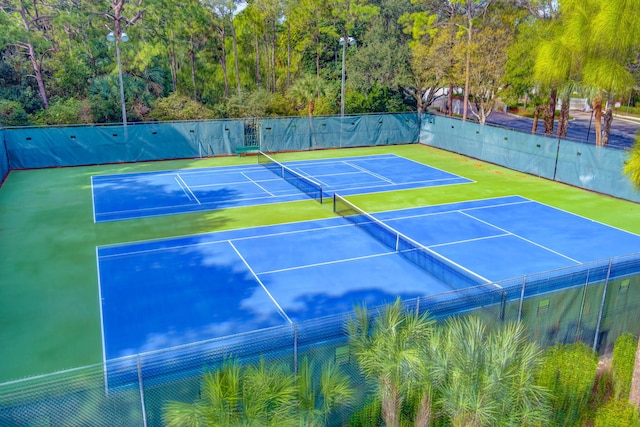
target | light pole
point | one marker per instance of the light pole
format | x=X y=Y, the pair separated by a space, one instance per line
x=122 y=38
x=350 y=41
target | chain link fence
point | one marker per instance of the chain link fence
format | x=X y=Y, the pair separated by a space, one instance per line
x=593 y=303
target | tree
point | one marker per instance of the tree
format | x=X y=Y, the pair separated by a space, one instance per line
x=487 y=378
x=266 y=394
x=430 y=62
x=612 y=48
x=27 y=26
x=262 y=395
x=387 y=348
x=487 y=68
x=473 y=11
x=307 y=90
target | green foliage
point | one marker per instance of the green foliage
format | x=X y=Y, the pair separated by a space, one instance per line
x=70 y=111
x=632 y=165
x=12 y=114
x=388 y=350
x=265 y=394
x=569 y=373
x=370 y=415
x=178 y=107
x=624 y=355
x=617 y=413
x=487 y=377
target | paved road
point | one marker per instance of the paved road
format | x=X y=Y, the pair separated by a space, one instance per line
x=581 y=127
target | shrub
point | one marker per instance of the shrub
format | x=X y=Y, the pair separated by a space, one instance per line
x=178 y=107
x=617 y=413
x=569 y=372
x=70 y=111
x=624 y=355
x=12 y=114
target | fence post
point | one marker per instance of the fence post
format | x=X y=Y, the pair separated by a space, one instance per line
x=604 y=297
x=582 y=304
x=524 y=282
x=503 y=305
x=141 y=388
x=295 y=349
x=555 y=167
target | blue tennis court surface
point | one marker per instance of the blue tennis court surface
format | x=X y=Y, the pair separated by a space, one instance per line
x=126 y=196
x=163 y=293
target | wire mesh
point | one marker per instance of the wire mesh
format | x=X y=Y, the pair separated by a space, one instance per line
x=303 y=183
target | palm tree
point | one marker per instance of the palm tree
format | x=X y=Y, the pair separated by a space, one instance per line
x=306 y=90
x=316 y=403
x=258 y=395
x=486 y=378
x=614 y=31
x=266 y=394
x=388 y=349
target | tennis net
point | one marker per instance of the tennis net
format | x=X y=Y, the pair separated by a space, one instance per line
x=438 y=266
x=303 y=183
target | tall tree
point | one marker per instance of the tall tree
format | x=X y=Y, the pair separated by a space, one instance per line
x=611 y=49
x=28 y=28
x=350 y=14
x=473 y=11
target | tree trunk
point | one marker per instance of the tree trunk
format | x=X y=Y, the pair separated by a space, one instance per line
x=235 y=54
x=563 y=122
x=536 y=117
x=423 y=417
x=549 y=114
x=257 y=45
x=288 y=53
x=390 y=405
x=450 y=100
x=223 y=61
x=37 y=71
x=192 y=54
x=267 y=63
x=273 y=55
x=467 y=71
x=606 y=130
x=597 y=115
x=634 y=395
x=173 y=64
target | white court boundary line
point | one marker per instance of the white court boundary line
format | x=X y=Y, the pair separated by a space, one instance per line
x=104 y=341
x=282 y=312
x=179 y=179
x=269 y=197
x=93 y=201
x=521 y=237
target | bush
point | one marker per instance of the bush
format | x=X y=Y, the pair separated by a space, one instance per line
x=569 y=373
x=12 y=114
x=624 y=356
x=617 y=413
x=178 y=107
x=70 y=111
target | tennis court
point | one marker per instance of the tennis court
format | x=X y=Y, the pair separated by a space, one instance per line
x=127 y=196
x=163 y=293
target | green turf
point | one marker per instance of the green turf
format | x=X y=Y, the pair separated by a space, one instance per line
x=49 y=307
